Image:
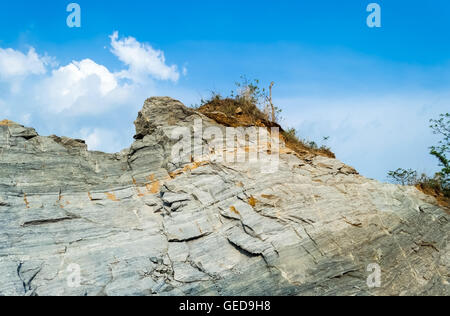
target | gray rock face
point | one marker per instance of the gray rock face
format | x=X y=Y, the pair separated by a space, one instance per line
x=139 y=222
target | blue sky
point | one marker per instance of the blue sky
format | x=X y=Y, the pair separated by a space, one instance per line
x=372 y=90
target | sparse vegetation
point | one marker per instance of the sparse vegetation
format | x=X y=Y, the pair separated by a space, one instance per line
x=249 y=101
x=439 y=185
x=251 y=105
x=441 y=127
x=403 y=177
x=294 y=142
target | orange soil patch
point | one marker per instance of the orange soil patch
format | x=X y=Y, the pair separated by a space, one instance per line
x=6 y=123
x=268 y=197
x=139 y=193
x=235 y=211
x=252 y=201
x=439 y=196
x=154 y=188
x=112 y=197
x=26 y=200
x=189 y=167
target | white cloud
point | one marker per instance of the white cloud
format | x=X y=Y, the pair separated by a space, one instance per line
x=68 y=86
x=101 y=139
x=77 y=72
x=62 y=99
x=15 y=64
x=86 y=87
x=142 y=60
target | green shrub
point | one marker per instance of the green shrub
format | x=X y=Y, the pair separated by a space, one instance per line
x=441 y=127
x=403 y=177
x=439 y=185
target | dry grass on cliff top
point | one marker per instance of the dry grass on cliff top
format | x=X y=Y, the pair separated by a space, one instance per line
x=237 y=112
x=432 y=188
x=6 y=123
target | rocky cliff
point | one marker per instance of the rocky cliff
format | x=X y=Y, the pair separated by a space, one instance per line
x=139 y=222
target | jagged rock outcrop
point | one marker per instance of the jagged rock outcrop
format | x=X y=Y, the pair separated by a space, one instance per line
x=140 y=222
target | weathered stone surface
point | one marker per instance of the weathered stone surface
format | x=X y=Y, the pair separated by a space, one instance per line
x=141 y=223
